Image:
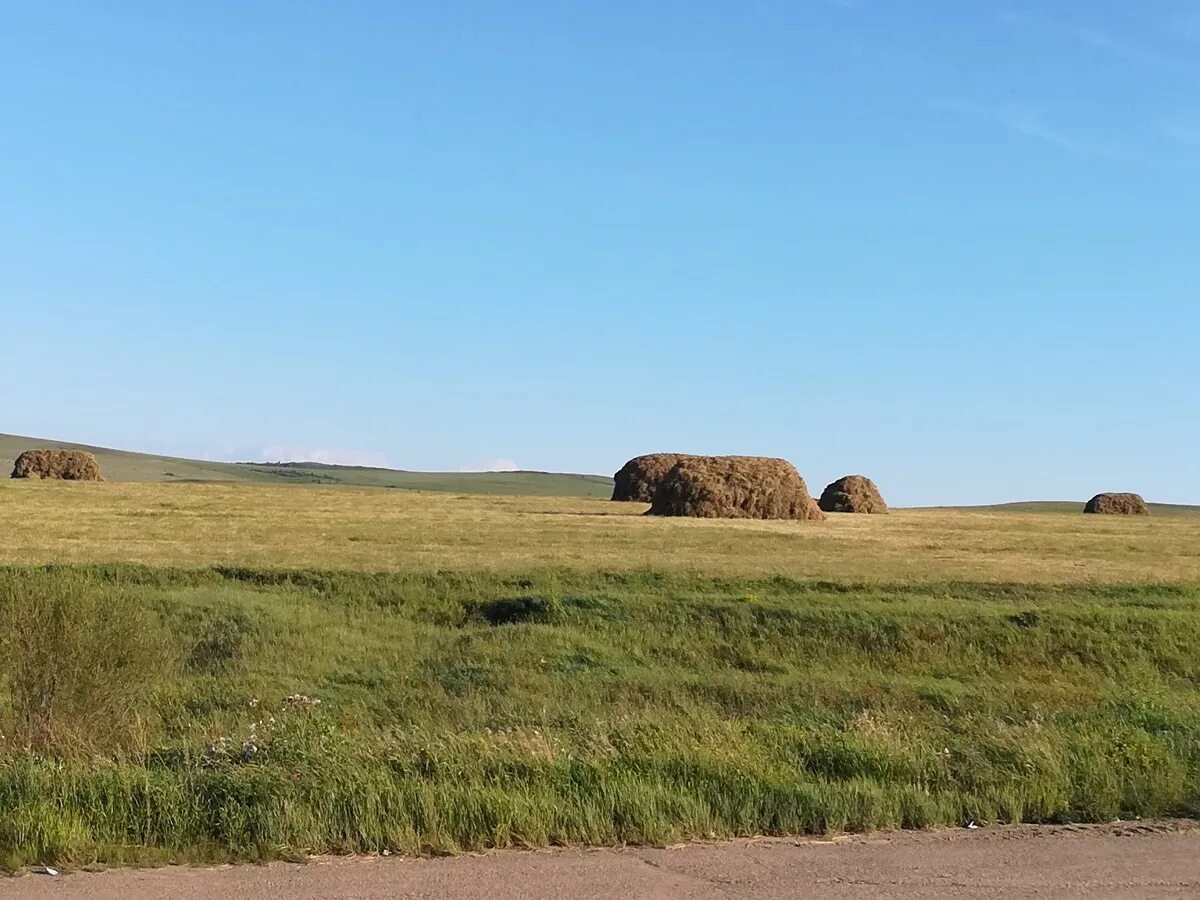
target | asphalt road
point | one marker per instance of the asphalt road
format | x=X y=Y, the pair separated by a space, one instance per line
x=1160 y=859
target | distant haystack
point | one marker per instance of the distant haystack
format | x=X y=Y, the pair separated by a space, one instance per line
x=1117 y=505
x=853 y=494
x=66 y=465
x=639 y=478
x=735 y=487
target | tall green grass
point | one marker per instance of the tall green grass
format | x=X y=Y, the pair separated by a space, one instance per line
x=76 y=664
x=463 y=711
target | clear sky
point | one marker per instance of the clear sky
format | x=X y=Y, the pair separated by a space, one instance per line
x=955 y=246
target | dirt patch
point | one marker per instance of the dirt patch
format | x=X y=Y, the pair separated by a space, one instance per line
x=65 y=465
x=1117 y=505
x=734 y=487
x=519 y=610
x=853 y=494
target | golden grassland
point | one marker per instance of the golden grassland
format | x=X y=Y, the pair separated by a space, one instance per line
x=389 y=530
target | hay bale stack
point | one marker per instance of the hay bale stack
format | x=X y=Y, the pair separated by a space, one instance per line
x=65 y=465
x=638 y=479
x=1117 y=505
x=853 y=494
x=734 y=487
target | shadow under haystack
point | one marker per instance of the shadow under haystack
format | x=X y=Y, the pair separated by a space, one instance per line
x=63 y=465
x=853 y=494
x=1117 y=505
x=734 y=487
x=638 y=479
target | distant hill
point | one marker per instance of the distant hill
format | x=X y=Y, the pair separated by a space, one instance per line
x=125 y=465
x=1073 y=506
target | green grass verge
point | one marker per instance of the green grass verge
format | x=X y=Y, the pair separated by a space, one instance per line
x=466 y=711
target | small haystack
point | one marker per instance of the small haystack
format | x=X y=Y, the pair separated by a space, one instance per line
x=734 y=487
x=853 y=494
x=1117 y=505
x=638 y=479
x=66 y=465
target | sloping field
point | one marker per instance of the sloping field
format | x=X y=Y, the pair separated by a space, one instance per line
x=1074 y=508
x=124 y=465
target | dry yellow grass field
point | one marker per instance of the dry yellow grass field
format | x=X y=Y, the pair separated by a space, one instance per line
x=387 y=530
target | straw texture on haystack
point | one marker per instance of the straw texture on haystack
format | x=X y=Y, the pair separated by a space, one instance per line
x=734 y=487
x=67 y=465
x=1117 y=505
x=637 y=480
x=853 y=494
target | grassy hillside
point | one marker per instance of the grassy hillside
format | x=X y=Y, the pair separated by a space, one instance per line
x=1075 y=507
x=124 y=465
x=549 y=484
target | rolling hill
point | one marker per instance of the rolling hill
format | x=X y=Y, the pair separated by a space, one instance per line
x=1073 y=506
x=125 y=465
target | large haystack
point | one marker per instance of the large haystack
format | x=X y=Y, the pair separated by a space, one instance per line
x=853 y=494
x=67 y=465
x=734 y=487
x=638 y=479
x=1117 y=505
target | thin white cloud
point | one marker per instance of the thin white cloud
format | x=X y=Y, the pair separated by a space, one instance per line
x=491 y=465
x=1166 y=60
x=1030 y=124
x=1183 y=133
x=1187 y=27
x=1126 y=51
x=333 y=457
x=1113 y=45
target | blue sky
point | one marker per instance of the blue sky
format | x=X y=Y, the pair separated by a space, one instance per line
x=955 y=246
